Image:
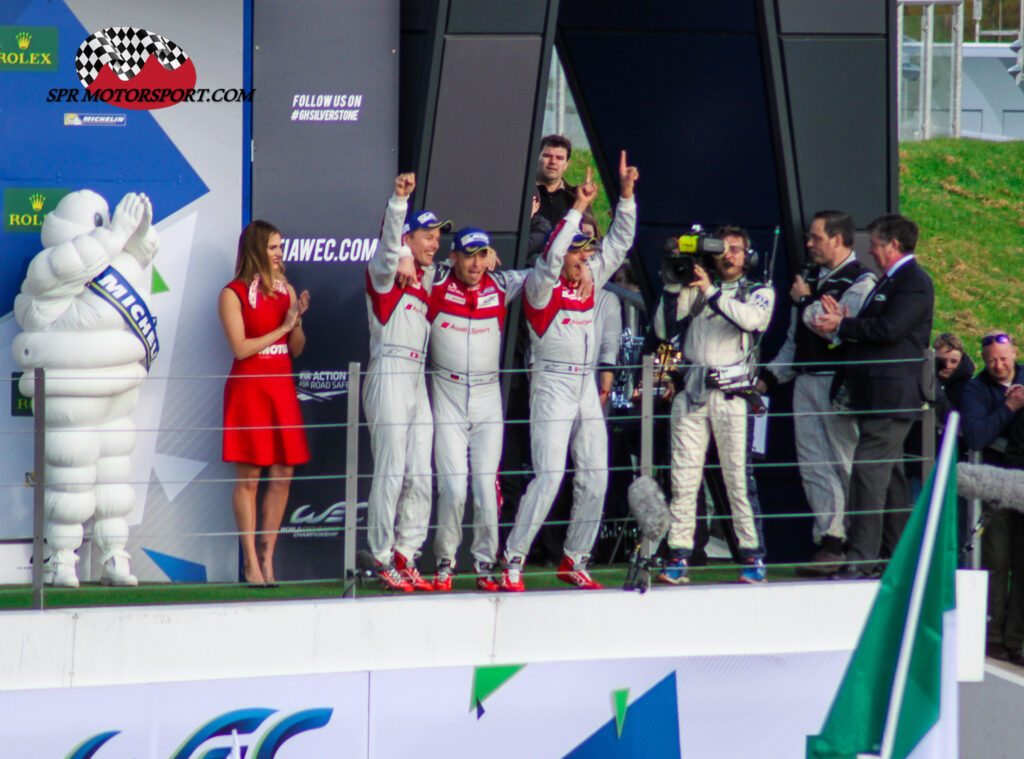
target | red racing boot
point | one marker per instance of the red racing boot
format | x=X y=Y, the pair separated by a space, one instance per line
x=512 y=577
x=443 y=578
x=407 y=569
x=392 y=579
x=575 y=573
x=487 y=577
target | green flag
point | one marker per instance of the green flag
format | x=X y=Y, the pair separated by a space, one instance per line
x=898 y=696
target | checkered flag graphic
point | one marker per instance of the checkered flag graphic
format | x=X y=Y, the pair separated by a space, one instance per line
x=126 y=50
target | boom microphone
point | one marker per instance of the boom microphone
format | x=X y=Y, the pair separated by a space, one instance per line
x=648 y=507
x=1004 y=488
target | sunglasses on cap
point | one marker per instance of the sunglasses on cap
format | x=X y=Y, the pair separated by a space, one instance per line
x=1001 y=338
x=582 y=242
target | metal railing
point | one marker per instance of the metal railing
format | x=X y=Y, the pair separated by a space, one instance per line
x=645 y=416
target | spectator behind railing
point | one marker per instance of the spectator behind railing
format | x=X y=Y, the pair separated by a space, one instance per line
x=953 y=369
x=886 y=338
x=989 y=406
x=262 y=320
x=554 y=196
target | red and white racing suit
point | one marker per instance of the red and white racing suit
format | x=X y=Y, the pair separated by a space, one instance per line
x=465 y=346
x=395 y=399
x=564 y=404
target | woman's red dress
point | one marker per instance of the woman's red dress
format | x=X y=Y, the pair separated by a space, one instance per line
x=262 y=421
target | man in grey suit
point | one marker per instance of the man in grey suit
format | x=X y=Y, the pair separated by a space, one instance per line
x=886 y=340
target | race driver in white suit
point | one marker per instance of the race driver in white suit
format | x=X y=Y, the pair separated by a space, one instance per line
x=398 y=281
x=564 y=405
x=467 y=311
x=86 y=322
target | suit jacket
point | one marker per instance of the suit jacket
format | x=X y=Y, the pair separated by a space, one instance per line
x=894 y=323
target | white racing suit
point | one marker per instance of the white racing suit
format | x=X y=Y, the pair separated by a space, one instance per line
x=395 y=399
x=70 y=307
x=564 y=404
x=720 y=336
x=465 y=346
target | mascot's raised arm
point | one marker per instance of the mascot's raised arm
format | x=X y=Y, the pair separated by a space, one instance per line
x=86 y=322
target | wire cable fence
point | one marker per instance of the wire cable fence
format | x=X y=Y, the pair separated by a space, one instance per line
x=647 y=416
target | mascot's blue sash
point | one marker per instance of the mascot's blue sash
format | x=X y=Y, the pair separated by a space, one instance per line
x=115 y=290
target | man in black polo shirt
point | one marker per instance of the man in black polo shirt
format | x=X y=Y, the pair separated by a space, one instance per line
x=825 y=440
x=554 y=195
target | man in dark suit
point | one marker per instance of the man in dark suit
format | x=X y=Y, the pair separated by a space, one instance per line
x=886 y=340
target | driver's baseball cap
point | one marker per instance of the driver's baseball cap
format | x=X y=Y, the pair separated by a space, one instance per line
x=425 y=220
x=582 y=242
x=470 y=240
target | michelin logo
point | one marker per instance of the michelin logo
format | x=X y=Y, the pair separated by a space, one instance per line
x=95 y=119
x=329 y=249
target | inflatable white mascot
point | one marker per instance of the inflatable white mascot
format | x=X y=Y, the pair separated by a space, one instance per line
x=86 y=323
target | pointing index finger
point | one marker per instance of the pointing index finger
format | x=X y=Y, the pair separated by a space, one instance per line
x=622 y=163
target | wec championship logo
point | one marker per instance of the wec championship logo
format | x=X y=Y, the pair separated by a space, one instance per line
x=134 y=68
x=249 y=733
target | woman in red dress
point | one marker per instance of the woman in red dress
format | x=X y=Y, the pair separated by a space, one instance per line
x=262 y=319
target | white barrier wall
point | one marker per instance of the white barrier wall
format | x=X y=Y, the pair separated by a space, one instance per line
x=741 y=671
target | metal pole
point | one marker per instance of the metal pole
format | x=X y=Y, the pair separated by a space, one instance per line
x=958 y=69
x=974 y=514
x=647 y=418
x=927 y=35
x=351 y=479
x=39 y=496
x=559 y=96
x=928 y=418
x=900 y=95
x=1019 y=79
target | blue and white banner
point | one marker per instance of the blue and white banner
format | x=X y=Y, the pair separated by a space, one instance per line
x=189 y=158
x=712 y=707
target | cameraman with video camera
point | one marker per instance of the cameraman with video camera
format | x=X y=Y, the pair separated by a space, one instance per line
x=721 y=320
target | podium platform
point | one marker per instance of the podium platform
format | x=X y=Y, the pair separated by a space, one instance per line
x=703 y=671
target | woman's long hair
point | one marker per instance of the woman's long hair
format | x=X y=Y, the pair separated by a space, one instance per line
x=591 y=219
x=252 y=255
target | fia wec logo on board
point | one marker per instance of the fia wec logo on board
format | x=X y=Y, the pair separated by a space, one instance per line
x=249 y=733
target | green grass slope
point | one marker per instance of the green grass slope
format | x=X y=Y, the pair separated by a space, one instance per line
x=968 y=198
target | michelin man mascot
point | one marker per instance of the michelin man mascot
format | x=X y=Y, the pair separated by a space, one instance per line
x=86 y=323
